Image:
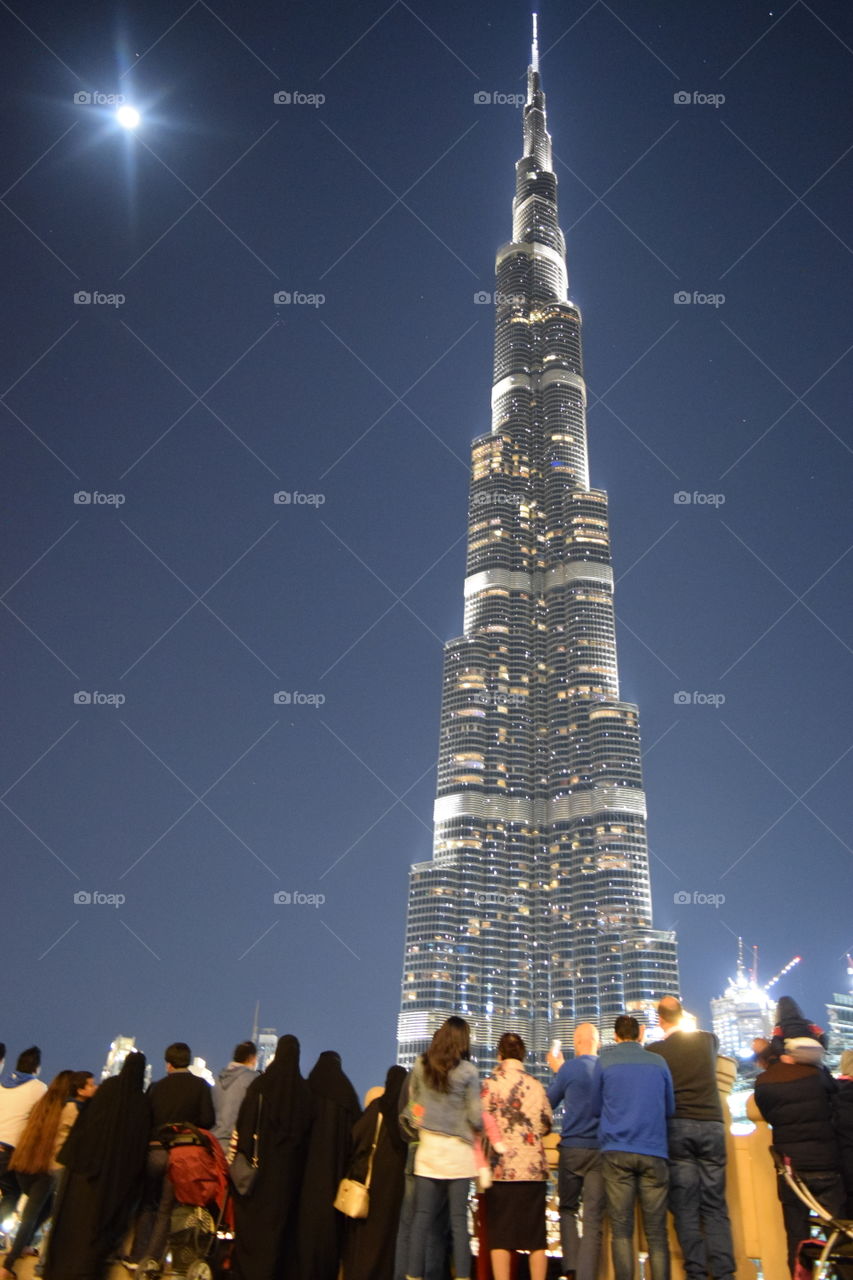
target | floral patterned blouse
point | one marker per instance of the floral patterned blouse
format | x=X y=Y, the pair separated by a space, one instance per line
x=518 y=1105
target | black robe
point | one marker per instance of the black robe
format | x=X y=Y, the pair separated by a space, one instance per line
x=265 y=1221
x=321 y=1227
x=370 y=1242
x=104 y=1159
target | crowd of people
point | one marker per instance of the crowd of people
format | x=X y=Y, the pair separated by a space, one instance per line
x=641 y=1126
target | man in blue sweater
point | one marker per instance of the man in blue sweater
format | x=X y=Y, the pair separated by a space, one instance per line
x=580 y=1159
x=633 y=1090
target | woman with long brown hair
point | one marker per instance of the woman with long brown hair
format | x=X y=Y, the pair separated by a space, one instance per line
x=34 y=1160
x=444 y=1107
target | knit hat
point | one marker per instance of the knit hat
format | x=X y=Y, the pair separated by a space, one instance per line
x=806 y=1050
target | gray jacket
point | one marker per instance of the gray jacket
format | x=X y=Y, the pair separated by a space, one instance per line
x=228 y=1093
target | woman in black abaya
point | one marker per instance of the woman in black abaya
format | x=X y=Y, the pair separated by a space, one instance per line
x=104 y=1162
x=321 y=1227
x=369 y=1243
x=265 y=1220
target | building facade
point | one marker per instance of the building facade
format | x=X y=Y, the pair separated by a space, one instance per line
x=839 y=1015
x=535 y=910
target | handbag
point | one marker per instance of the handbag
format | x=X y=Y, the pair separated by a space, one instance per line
x=243 y=1171
x=353 y=1198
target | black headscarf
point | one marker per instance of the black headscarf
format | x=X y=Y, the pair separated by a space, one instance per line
x=282 y=1089
x=389 y=1105
x=327 y=1080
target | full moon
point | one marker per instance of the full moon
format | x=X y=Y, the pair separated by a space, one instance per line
x=128 y=117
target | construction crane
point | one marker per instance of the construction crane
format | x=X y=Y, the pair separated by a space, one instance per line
x=788 y=967
x=753 y=972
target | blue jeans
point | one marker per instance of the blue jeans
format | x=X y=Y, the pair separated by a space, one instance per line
x=431 y=1195
x=627 y=1178
x=697 y=1198
x=580 y=1180
x=435 y=1267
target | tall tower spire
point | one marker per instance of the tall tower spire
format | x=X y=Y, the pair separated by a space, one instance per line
x=534 y=913
x=534 y=49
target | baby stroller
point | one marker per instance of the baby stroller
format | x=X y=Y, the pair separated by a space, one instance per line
x=818 y=1261
x=201 y=1228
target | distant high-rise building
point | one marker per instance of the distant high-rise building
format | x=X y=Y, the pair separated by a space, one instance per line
x=745 y=1011
x=264 y=1039
x=535 y=911
x=839 y=1016
x=118 y=1051
x=267 y=1039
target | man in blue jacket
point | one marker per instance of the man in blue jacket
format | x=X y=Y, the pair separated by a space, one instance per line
x=634 y=1092
x=580 y=1159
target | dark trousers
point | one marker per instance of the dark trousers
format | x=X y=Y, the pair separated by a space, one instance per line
x=38 y=1188
x=580 y=1182
x=629 y=1177
x=9 y=1188
x=827 y=1187
x=697 y=1198
x=158 y=1197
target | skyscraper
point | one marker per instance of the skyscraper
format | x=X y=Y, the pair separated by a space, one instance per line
x=535 y=911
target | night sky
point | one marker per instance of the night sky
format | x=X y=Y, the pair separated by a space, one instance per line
x=185 y=398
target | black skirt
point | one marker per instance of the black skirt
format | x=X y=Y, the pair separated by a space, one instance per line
x=515 y=1215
